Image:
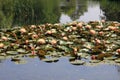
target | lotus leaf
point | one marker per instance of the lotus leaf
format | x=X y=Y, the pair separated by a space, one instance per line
x=94 y=61
x=11 y=53
x=16 y=59
x=21 y=50
x=110 y=58
x=66 y=49
x=2 y=54
x=20 y=62
x=117 y=60
x=77 y=62
x=65 y=43
x=50 y=60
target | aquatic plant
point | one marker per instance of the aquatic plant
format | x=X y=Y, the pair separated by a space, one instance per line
x=89 y=41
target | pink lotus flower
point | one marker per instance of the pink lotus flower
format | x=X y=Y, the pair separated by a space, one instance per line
x=23 y=30
x=41 y=41
x=92 y=32
x=53 y=42
x=65 y=38
x=4 y=38
x=1 y=45
x=118 y=50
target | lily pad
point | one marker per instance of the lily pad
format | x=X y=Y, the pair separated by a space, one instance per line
x=94 y=61
x=11 y=53
x=20 y=62
x=16 y=59
x=50 y=60
x=77 y=62
x=117 y=61
x=2 y=54
x=110 y=58
x=21 y=51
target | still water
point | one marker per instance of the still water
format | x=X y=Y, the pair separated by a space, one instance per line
x=52 y=11
x=92 y=13
x=61 y=70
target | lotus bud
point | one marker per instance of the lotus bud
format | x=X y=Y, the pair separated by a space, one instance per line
x=62 y=34
x=12 y=44
x=75 y=49
x=97 y=41
x=93 y=57
x=53 y=31
x=53 y=42
x=103 y=21
x=4 y=38
x=80 y=25
x=41 y=41
x=23 y=30
x=88 y=26
x=92 y=32
x=118 y=50
x=112 y=28
x=74 y=28
x=99 y=27
x=101 y=33
x=1 y=45
x=26 y=41
x=65 y=38
x=32 y=26
x=32 y=48
x=34 y=36
x=48 y=24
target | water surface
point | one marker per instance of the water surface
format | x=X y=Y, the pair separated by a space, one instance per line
x=62 y=70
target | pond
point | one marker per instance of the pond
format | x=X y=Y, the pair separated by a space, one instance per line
x=15 y=13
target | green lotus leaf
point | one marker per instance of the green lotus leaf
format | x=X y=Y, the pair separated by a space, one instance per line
x=50 y=60
x=21 y=50
x=2 y=54
x=77 y=62
x=117 y=61
x=20 y=62
x=11 y=53
x=94 y=61
x=110 y=58
x=66 y=49
x=16 y=59
x=65 y=43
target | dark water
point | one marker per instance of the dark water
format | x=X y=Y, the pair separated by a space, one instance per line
x=25 y=12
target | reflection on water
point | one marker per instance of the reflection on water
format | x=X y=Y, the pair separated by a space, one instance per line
x=54 y=11
x=111 y=9
x=89 y=11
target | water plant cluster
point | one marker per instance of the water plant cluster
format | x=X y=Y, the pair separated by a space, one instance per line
x=92 y=42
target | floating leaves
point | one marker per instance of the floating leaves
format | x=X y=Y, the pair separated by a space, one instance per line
x=91 y=42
